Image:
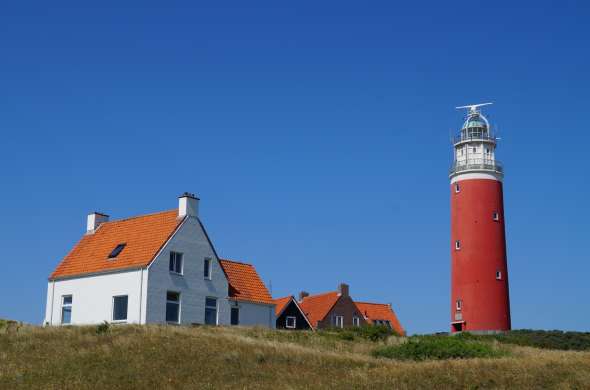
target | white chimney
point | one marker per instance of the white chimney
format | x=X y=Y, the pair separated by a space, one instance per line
x=188 y=205
x=94 y=220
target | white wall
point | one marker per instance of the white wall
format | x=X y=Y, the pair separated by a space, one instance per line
x=254 y=314
x=191 y=241
x=92 y=297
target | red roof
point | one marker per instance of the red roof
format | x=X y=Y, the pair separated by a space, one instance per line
x=281 y=303
x=380 y=311
x=316 y=307
x=143 y=237
x=244 y=282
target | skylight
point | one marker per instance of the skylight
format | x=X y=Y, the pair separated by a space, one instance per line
x=117 y=250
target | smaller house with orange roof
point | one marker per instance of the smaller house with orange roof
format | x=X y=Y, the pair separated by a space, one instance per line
x=289 y=315
x=331 y=309
x=156 y=268
x=250 y=301
x=380 y=314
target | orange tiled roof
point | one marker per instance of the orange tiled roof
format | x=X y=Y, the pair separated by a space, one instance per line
x=244 y=282
x=316 y=307
x=380 y=311
x=281 y=303
x=143 y=237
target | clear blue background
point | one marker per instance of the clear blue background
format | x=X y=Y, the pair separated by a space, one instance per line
x=315 y=133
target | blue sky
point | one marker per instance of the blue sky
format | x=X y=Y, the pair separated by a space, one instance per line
x=315 y=133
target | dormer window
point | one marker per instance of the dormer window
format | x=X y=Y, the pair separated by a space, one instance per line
x=117 y=250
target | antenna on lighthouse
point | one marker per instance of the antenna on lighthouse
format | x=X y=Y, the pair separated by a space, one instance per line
x=473 y=107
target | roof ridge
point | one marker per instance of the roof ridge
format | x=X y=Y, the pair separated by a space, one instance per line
x=372 y=303
x=139 y=216
x=236 y=262
x=319 y=295
x=286 y=296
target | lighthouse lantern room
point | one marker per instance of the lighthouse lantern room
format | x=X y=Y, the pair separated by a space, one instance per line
x=479 y=271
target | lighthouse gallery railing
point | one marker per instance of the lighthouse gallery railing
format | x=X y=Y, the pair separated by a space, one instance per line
x=477 y=164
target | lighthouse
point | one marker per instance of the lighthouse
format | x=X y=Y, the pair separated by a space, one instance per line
x=479 y=271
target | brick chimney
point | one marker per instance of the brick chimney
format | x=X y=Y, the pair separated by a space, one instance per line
x=188 y=205
x=343 y=289
x=94 y=220
x=303 y=294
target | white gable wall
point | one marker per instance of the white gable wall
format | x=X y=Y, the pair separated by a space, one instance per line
x=92 y=297
x=256 y=314
x=190 y=240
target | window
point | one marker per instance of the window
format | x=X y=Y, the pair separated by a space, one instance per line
x=207 y=269
x=496 y=216
x=339 y=321
x=175 y=263
x=120 y=308
x=462 y=151
x=291 y=322
x=356 y=321
x=66 y=309
x=235 y=315
x=459 y=305
x=211 y=311
x=474 y=150
x=457 y=245
x=498 y=275
x=117 y=250
x=488 y=150
x=173 y=307
x=457 y=188
x=387 y=324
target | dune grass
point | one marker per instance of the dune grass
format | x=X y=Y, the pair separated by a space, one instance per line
x=140 y=357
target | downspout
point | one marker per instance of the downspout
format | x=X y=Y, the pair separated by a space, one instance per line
x=52 y=299
x=140 y=294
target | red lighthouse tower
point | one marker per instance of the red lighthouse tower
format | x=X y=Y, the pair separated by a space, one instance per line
x=479 y=270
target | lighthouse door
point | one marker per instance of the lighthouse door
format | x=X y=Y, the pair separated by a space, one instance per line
x=458 y=326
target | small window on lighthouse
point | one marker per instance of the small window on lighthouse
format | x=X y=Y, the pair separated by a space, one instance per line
x=457 y=245
x=474 y=150
x=496 y=216
x=457 y=188
x=459 y=305
x=498 y=275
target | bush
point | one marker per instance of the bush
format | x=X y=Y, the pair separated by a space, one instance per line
x=367 y=332
x=103 y=328
x=548 y=339
x=438 y=347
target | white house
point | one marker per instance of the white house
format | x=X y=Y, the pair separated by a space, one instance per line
x=155 y=268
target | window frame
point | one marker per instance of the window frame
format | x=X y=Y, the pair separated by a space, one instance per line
x=336 y=317
x=209 y=307
x=498 y=275
x=457 y=245
x=458 y=305
x=496 y=216
x=294 y=326
x=178 y=302
x=174 y=261
x=207 y=268
x=356 y=321
x=66 y=305
x=113 y=309
x=457 y=188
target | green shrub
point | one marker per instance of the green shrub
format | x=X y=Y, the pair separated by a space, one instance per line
x=367 y=332
x=103 y=328
x=438 y=347
x=548 y=339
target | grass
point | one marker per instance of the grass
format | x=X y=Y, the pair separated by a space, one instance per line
x=139 y=357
